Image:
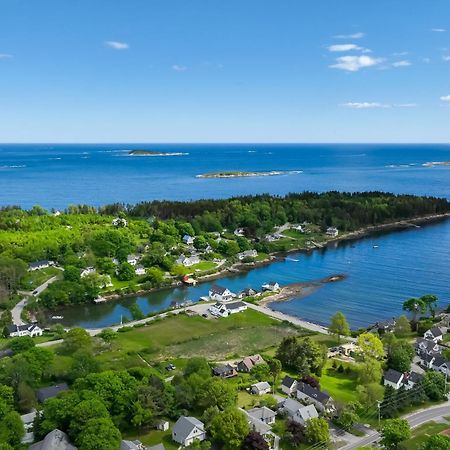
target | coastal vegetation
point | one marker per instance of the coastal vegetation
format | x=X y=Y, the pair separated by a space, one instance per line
x=238 y=174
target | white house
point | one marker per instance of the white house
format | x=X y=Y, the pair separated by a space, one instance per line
x=434 y=334
x=32 y=330
x=289 y=385
x=393 y=378
x=188 y=240
x=426 y=346
x=220 y=293
x=119 y=222
x=42 y=264
x=187 y=261
x=272 y=286
x=247 y=254
x=312 y=395
x=440 y=364
x=132 y=259
x=263 y=426
x=139 y=270
x=298 y=412
x=28 y=422
x=264 y=414
x=87 y=271
x=261 y=388
x=239 y=232
x=225 y=310
x=297 y=228
x=188 y=429
x=332 y=231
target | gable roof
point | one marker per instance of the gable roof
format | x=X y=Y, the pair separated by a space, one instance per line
x=215 y=289
x=312 y=392
x=185 y=425
x=288 y=382
x=220 y=370
x=292 y=406
x=251 y=361
x=55 y=440
x=128 y=445
x=261 y=386
x=236 y=305
x=414 y=377
x=262 y=413
x=436 y=332
x=156 y=447
x=26 y=327
x=51 y=391
x=393 y=376
x=308 y=412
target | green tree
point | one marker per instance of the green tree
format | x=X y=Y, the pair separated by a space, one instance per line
x=217 y=392
x=438 y=442
x=430 y=302
x=395 y=431
x=99 y=434
x=402 y=327
x=76 y=339
x=400 y=356
x=370 y=345
x=230 y=427
x=108 y=336
x=21 y=344
x=11 y=429
x=434 y=385
x=85 y=411
x=275 y=370
x=72 y=273
x=414 y=306
x=317 y=430
x=339 y=326
x=125 y=272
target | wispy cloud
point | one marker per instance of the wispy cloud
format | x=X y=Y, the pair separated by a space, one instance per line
x=445 y=98
x=358 y=35
x=5 y=56
x=438 y=30
x=355 y=63
x=446 y=57
x=403 y=63
x=400 y=53
x=347 y=48
x=426 y=60
x=179 y=68
x=116 y=45
x=365 y=105
x=405 y=105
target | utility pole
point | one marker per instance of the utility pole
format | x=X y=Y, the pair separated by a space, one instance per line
x=379 y=413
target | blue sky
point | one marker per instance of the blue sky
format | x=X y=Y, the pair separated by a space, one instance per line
x=224 y=71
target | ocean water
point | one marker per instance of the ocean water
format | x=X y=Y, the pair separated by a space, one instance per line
x=404 y=264
x=58 y=175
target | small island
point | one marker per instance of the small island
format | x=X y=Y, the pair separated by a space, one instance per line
x=237 y=174
x=436 y=163
x=154 y=153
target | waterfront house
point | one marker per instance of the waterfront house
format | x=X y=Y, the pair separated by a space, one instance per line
x=298 y=412
x=426 y=346
x=247 y=254
x=332 y=232
x=312 y=395
x=31 y=330
x=187 y=261
x=188 y=240
x=393 y=378
x=271 y=286
x=51 y=391
x=220 y=293
x=247 y=364
x=434 y=334
x=289 y=385
x=261 y=388
x=139 y=270
x=386 y=326
x=188 y=429
x=87 y=271
x=247 y=292
x=42 y=264
x=55 y=440
x=225 y=371
x=224 y=310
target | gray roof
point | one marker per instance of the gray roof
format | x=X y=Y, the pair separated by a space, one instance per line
x=156 y=447
x=288 y=382
x=215 y=289
x=308 y=412
x=258 y=425
x=55 y=440
x=435 y=331
x=236 y=305
x=262 y=413
x=51 y=391
x=415 y=377
x=184 y=426
x=15 y=328
x=261 y=386
x=393 y=376
x=128 y=445
x=312 y=392
x=292 y=406
x=42 y=262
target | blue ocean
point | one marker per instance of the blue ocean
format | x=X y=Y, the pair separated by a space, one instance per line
x=401 y=265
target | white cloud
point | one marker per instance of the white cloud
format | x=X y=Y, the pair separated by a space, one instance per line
x=403 y=63
x=445 y=98
x=406 y=105
x=358 y=35
x=365 y=105
x=347 y=48
x=355 y=63
x=5 y=56
x=179 y=68
x=439 y=30
x=446 y=57
x=117 y=45
x=400 y=53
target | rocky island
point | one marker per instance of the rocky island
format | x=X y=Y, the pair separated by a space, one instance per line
x=436 y=163
x=237 y=174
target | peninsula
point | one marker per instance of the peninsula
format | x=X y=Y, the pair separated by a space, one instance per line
x=238 y=174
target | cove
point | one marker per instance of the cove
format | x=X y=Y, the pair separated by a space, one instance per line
x=382 y=271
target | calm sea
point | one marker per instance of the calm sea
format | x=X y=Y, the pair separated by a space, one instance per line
x=404 y=264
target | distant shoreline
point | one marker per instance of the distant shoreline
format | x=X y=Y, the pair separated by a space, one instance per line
x=144 y=153
x=239 y=174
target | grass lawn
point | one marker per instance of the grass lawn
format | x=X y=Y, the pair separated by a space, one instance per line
x=180 y=336
x=203 y=265
x=155 y=437
x=34 y=279
x=246 y=400
x=422 y=433
x=341 y=386
x=261 y=257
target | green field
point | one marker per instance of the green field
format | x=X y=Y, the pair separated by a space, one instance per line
x=341 y=386
x=181 y=336
x=422 y=433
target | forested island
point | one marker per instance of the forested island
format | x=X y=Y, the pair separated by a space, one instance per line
x=121 y=249
x=237 y=174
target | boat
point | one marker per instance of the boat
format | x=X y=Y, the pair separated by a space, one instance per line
x=375 y=246
x=57 y=317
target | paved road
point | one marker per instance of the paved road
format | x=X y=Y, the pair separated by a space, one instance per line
x=16 y=312
x=294 y=320
x=415 y=419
